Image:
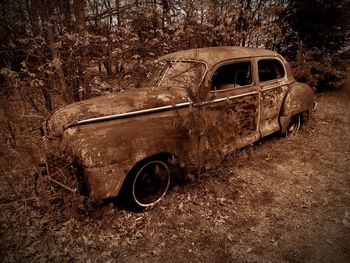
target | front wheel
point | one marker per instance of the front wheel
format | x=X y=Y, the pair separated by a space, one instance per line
x=294 y=125
x=148 y=184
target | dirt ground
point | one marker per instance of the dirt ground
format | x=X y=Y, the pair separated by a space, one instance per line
x=281 y=200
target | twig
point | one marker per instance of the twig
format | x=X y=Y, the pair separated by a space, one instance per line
x=62 y=185
x=32 y=116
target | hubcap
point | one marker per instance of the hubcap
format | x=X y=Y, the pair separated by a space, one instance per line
x=151 y=183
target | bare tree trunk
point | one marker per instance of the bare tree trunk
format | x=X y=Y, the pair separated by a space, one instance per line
x=79 y=12
x=44 y=11
x=47 y=97
x=119 y=19
x=67 y=9
x=56 y=61
x=166 y=12
x=242 y=27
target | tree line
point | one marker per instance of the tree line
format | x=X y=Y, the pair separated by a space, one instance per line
x=56 y=52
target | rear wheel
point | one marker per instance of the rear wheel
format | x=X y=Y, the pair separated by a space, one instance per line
x=294 y=125
x=148 y=184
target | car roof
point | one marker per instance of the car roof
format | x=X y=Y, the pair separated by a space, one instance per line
x=214 y=55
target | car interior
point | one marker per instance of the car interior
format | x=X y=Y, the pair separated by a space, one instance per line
x=232 y=76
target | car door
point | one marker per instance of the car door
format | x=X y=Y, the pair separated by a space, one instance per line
x=232 y=107
x=273 y=87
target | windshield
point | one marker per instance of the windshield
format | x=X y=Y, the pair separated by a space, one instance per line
x=185 y=74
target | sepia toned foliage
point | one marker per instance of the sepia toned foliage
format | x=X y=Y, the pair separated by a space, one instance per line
x=322 y=34
x=72 y=50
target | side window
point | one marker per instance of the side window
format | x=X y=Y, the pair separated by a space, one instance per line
x=270 y=69
x=232 y=75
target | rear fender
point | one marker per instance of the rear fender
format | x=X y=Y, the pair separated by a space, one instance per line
x=299 y=99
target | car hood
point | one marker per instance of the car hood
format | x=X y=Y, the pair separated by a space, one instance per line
x=113 y=104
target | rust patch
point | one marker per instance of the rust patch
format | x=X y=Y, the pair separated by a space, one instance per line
x=271 y=102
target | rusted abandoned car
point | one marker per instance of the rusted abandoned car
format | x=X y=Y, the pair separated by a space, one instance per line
x=129 y=142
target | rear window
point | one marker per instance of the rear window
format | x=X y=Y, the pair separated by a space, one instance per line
x=270 y=69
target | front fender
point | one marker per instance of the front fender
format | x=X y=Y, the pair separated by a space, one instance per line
x=108 y=150
x=300 y=98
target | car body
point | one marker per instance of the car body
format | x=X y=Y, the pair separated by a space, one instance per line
x=136 y=137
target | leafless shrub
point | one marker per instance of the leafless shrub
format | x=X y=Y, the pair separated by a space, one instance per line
x=198 y=126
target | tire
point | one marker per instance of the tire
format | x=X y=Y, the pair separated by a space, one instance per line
x=294 y=125
x=147 y=184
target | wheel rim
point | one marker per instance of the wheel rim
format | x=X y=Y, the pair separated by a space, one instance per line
x=151 y=183
x=294 y=125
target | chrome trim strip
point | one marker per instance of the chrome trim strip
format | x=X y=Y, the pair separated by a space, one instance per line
x=129 y=114
x=157 y=109
x=234 y=88
x=276 y=87
x=227 y=98
x=272 y=88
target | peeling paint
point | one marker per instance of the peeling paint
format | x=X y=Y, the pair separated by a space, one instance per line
x=165 y=97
